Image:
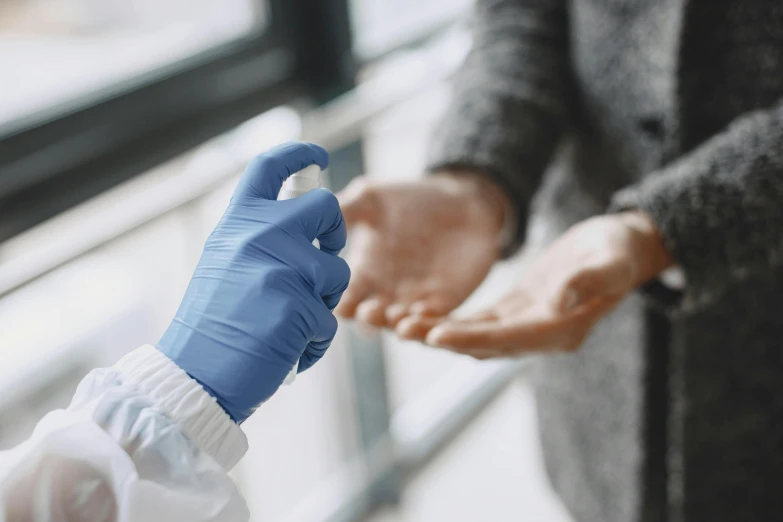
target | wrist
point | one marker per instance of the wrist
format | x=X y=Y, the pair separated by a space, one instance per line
x=178 y=343
x=488 y=196
x=236 y=382
x=653 y=257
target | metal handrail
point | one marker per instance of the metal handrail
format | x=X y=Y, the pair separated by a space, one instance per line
x=420 y=430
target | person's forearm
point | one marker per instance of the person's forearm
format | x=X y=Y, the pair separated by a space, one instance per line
x=491 y=196
x=718 y=208
x=511 y=99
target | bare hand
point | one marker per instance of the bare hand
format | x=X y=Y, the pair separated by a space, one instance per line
x=565 y=291
x=418 y=248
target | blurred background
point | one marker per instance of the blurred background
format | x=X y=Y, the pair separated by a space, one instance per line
x=123 y=127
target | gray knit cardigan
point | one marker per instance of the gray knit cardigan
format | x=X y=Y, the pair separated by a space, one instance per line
x=673 y=408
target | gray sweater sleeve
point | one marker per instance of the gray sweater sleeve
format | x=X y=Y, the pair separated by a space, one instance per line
x=719 y=208
x=510 y=98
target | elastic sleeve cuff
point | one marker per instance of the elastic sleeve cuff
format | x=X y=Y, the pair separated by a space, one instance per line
x=184 y=401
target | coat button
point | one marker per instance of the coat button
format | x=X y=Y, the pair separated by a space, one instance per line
x=652 y=126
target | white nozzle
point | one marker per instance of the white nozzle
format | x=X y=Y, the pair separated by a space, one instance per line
x=301 y=182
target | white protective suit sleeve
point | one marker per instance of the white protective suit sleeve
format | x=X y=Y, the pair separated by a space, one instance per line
x=141 y=441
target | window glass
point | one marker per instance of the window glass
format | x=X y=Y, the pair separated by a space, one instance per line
x=382 y=24
x=55 y=51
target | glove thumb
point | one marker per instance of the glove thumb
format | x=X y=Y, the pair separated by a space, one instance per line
x=264 y=176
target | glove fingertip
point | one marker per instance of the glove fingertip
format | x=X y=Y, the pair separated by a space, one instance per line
x=265 y=174
x=313 y=354
x=321 y=156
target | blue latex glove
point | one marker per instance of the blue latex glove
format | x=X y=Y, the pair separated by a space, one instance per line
x=262 y=295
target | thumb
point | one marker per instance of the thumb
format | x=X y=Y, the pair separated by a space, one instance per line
x=264 y=176
x=359 y=201
x=479 y=331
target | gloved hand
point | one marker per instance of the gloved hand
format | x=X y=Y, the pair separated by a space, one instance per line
x=262 y=295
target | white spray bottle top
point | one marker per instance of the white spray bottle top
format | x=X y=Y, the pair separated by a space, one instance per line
x=301 y=182
x=297 y=184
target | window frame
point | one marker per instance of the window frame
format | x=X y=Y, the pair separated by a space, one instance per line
x=52 y=161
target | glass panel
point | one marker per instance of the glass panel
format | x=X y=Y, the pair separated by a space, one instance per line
x=52 y=51
x=382 y=24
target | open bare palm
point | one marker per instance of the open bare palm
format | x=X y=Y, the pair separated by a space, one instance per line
x=562 y=294
x=418 y=248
